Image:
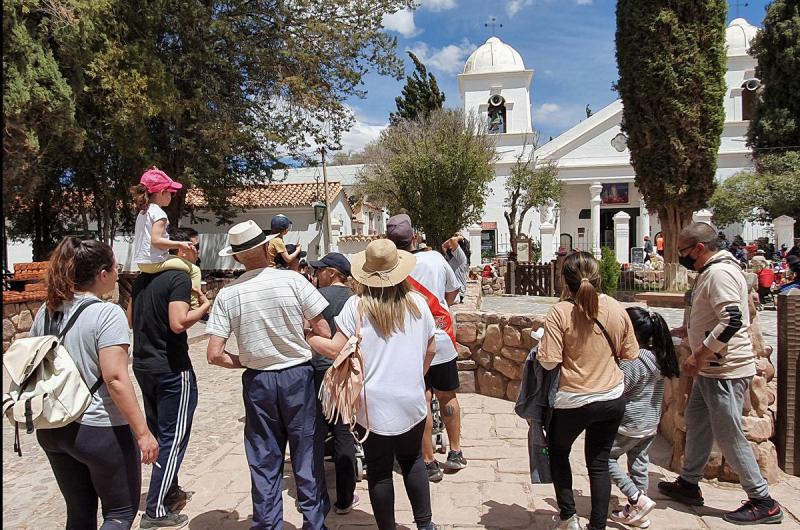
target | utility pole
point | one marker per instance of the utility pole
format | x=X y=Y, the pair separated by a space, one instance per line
x=327 y=228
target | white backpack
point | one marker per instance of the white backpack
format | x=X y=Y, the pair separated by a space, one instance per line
x=46 y=389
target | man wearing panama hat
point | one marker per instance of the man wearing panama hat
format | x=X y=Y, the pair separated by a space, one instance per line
x=266 y=308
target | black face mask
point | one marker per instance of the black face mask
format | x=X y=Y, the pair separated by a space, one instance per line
x=687 y=261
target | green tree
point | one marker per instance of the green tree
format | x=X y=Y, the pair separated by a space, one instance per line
x=609 y=271
x=421 y=95
x=762 y=195
x=775 y=126
x=531 y=186
x=436 y=168
x=672 y=63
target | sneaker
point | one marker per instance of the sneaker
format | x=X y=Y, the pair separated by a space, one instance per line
x=345 y=511
x=634 y=514
x=434 y=472
x=682 y=491
x=573 y=523
x=754 y=511
x=177 y=499
x=171 y=520
x=429 y=526
x=455 y=461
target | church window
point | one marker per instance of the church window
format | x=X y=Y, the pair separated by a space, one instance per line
x=497 y=114
x=749 y=88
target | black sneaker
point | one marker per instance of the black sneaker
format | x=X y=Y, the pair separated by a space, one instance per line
x=169 y=521
x=752 y=511
x=682 y=491
x=434 y=472
x=177 y=498
x=455 y=461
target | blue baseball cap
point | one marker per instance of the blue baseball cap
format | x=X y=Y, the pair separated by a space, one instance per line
x=335 y=261
x=279 y=222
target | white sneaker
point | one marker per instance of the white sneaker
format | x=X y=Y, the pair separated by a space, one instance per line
x=635 y=514
x=573 y=523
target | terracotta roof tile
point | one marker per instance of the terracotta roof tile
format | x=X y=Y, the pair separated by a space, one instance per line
x=272 y=195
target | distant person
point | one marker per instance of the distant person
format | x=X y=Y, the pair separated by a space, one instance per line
x=795 y=250
x=660 y=244
x=398 y=344
x=96 y=457
x=724 y=244
x=723 y=365
x=586 y=333
x=279 y=226
x=793 y=263
x=457 y=260
x=766 y=277
x=266 y=309
x=648 y=246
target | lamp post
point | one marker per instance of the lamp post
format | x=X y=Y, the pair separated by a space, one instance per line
x=557 y=238
x=327 y=211
x=319 y=210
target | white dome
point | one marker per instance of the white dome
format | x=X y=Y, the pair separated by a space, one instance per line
x=494 y=56
x=739 y=36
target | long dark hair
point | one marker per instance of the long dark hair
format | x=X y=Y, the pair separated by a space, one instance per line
x=581 y=274
x=652 y=332
x=74 y=265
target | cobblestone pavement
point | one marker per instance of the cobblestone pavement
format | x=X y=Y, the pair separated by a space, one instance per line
x=492 y=492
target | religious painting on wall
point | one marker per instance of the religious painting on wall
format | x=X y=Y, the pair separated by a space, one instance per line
x=616 y=193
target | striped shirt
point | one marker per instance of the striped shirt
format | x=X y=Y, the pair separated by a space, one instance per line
x=644 y=391
x=266 y=308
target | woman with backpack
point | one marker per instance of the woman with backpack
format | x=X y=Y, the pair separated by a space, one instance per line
x=586 y=333
x=96 y=456
x=397 y=345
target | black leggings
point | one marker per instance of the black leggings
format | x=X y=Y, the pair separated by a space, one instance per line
x=380 y=453
x=95 y=462
x=600 y=420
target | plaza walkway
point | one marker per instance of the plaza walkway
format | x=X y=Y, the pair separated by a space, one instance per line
x=492 y=492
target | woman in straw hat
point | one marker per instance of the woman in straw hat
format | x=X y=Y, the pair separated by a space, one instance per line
x=397 y=344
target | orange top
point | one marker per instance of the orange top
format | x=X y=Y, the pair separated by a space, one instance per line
x=659 y=243
x=587 y=362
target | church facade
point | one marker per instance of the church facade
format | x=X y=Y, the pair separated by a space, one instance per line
x=592 y=157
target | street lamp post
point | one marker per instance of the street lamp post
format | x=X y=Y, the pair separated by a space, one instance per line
x=327 y=245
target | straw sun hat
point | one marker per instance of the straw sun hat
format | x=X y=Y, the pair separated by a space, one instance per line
x=382 y=265
x=244 y=236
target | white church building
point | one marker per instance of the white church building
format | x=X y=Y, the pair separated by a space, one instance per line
x=592 y=157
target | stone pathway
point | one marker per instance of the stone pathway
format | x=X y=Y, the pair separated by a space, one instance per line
x=492 y=492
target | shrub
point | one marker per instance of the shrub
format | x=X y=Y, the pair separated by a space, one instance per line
x=609 y=271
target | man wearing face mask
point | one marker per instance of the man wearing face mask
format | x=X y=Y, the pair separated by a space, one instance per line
x=723 y=364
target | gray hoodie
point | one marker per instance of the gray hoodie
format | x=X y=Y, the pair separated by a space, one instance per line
x=644 y=391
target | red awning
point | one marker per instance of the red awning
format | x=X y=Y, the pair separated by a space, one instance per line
x=489 y=225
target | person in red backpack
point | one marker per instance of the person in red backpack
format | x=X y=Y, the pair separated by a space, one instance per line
x=766 y=277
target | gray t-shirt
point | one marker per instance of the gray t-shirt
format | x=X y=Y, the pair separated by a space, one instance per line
x=458 y=262
x=99 y=326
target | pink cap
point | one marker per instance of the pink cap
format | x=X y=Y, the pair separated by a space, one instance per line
x=156 y=180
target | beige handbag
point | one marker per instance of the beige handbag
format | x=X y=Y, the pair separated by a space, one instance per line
x=340 y=392
x=46 y=389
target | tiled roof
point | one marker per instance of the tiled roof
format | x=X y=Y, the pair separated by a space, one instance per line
x=272 y=195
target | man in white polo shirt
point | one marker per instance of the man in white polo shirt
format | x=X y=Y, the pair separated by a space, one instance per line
x=434 y=279
x=266 y=308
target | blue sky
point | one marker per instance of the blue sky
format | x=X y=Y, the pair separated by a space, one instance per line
x=568 y=43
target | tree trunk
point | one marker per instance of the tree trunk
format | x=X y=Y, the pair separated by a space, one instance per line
x=673 y=219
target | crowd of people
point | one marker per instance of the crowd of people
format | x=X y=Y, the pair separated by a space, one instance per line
x=290 y=327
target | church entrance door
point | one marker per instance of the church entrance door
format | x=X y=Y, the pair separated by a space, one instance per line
x=607 y=226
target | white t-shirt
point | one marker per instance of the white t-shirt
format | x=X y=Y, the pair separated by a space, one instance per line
x=436 y=275
x=394 y=379
x=265 y=308
x=143 y=249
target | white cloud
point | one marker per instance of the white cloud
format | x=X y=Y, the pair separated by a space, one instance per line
x=584 y=2
x=449 y=59
x=515 y=6
x=402 y=22
x=555 y=116
x=360 y=135
x=437 y=5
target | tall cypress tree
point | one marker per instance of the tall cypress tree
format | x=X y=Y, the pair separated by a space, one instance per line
x=421 y=95
x=671 y=59
x=775 y=127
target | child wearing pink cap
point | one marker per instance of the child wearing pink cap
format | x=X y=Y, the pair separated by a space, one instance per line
x=151 y=243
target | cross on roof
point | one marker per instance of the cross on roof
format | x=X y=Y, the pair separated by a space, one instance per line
x=737 y=4
x=493 y=24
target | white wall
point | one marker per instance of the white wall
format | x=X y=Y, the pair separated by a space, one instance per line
x=514 y=87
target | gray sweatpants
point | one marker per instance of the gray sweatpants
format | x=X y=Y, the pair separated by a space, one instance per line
x=714 y=412
x=638 y=452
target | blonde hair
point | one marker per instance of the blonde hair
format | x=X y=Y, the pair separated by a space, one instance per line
x=386 y=306
x=582 y=282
